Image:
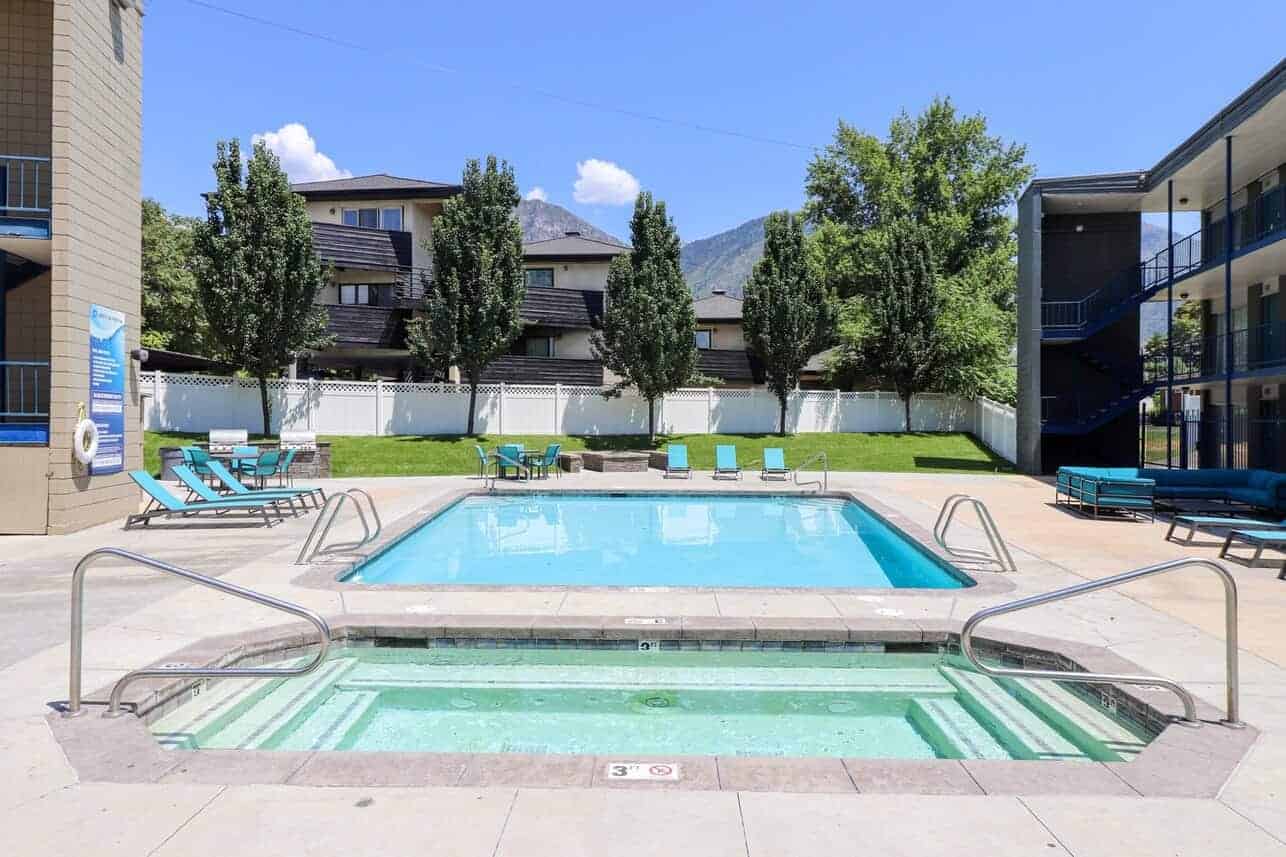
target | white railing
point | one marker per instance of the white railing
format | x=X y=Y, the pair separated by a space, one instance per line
x=996 y=425
x=198 y=403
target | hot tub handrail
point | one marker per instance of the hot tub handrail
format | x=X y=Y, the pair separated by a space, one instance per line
x=1232 y=681
x=74 y=702
x=321 y=527
x=999 y=554
x=826 y=469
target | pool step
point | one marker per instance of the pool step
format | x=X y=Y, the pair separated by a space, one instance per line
x=953 y=731
x=290 y=699
x=330 y=722
x=184 y=727
x=1105 y=738
x=915 y=682
x=1017 y=726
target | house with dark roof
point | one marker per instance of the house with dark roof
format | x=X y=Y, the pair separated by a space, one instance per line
x=721 y=345
x=374 y=233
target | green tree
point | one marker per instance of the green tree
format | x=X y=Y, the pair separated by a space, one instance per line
x=946 y=173
x=256 y=268
x=899 y=338
x=787 y=314
x=649 y=325
x=173 y=317
x=473 y=298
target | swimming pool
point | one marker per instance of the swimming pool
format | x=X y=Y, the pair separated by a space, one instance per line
x=914 y=705
x=658 y=540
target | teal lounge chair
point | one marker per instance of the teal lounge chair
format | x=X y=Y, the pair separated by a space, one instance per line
x=676 y=461
x=165 y=504
x=1215 y=522
x=197 y=488
x=1258 y=539
x=725 y=461
x=238 y=489
x=774 y=464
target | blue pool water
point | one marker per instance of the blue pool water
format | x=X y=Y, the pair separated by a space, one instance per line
x=658 y=540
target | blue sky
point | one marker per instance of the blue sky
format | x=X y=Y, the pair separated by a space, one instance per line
x=1088 y=87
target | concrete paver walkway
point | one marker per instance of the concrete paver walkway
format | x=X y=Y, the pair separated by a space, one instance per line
x=1171 y=625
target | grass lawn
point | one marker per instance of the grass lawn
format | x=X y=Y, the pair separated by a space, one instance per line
x=414 y=455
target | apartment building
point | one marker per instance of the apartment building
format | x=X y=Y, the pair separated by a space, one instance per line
x=374 y=232
x=1081 y=372
x=70 y=232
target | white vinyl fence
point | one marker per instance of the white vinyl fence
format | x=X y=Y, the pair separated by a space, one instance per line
x=198 y=403
x=996 y=425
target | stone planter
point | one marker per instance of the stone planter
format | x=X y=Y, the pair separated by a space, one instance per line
x=615 y=462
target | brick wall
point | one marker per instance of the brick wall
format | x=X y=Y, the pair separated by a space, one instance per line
x=97 y=120
x=26 y=48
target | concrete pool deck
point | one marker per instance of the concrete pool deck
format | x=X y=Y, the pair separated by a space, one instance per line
x=1170 y=625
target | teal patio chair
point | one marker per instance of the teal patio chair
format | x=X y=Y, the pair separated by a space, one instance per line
x=676 y=461
x=162 y=503
x=509 y=457
x=283 y=467
x=262 y=467
x=243 y=458
x=484 y=461
x=548 y=460
x=725 y=461
x=773 y=465
x=197 y=459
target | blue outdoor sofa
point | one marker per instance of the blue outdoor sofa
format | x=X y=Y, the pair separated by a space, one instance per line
x=1136 y=490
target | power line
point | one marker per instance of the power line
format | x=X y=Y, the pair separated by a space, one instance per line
x=517 y=87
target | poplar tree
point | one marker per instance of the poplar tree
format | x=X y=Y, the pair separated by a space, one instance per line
x=474 y=296
x=787 y=314
x=649 y=324
x=256 y=269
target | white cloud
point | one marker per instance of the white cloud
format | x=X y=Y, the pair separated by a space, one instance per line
x=603 y=183
x=537 y=192
x=299 y=156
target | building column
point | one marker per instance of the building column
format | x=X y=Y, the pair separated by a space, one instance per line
x=1029 y=329
x=1169 y=322
x=1229 y=351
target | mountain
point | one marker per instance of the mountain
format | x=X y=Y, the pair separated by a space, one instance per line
x=723 y=261
x=541 y=220
x=1152 y=314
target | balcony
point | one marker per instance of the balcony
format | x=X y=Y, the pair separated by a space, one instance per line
x=366 y=327
x=1259 y=350
x=1254 y=225
x=25 y=194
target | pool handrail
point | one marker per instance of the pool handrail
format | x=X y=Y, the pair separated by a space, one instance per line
x=75 y=705
x=321 y=527
x=999 y=555
x=1231 y=678
x=826 y=471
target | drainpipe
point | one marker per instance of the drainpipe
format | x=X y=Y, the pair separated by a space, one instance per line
x=1169 y=320
x=1229 y=351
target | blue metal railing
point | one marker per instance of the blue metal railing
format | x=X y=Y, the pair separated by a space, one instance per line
x=24 y=389
x=1260 y=220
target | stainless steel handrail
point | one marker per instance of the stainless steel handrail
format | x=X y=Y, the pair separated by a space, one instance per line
x=333 y=502
x=74 y=702
x=999 y=554
x=826 y=470
x=1189 y=705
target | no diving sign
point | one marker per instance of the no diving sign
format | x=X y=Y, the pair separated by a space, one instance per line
x=643 y=771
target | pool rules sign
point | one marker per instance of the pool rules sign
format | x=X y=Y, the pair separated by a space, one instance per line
x=107 y=387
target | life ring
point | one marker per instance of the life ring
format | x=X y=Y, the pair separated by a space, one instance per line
x=85 y=441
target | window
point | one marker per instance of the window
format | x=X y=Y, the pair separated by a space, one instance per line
x=373 y=218
x=540 y=278
x=359 y=295
x=704 y=338
x=540 y=346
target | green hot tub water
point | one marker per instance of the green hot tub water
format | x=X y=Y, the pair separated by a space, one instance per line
x=745 y=703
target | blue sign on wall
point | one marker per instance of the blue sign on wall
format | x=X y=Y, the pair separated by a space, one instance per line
x=107 y=387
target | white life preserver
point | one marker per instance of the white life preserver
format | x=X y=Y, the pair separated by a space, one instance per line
x=85 y=442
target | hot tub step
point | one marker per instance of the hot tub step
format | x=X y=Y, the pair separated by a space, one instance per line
x=326 y=726
x=1017 y=725
x=1107 y=739
x=953 y=730
x=255 y=726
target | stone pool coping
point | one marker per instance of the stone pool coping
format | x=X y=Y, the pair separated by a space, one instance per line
x=328 y=574
x=1181 y=761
